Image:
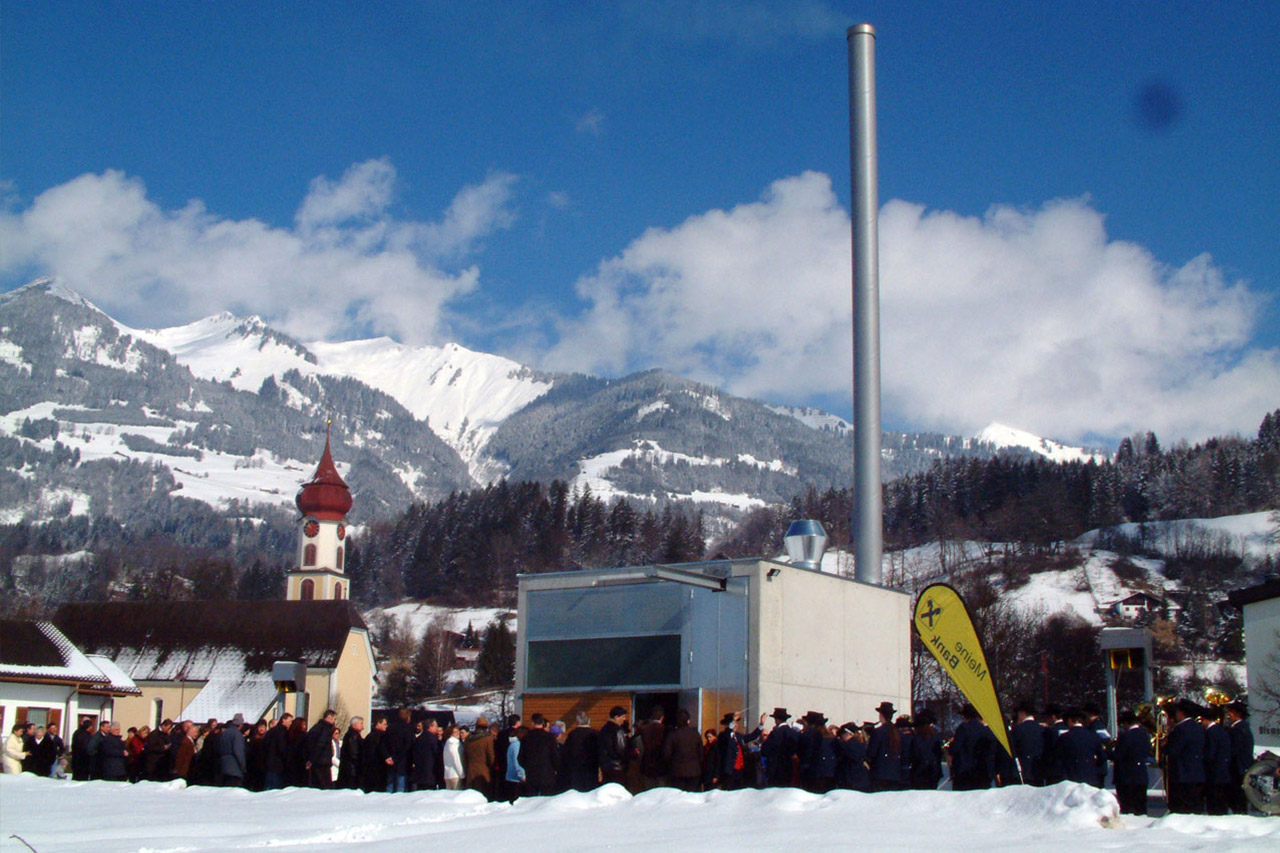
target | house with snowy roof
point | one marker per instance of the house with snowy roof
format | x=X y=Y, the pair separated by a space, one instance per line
x=47 y=680
x=199 y=659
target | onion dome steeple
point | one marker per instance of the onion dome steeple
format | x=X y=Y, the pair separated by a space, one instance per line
x=326 y=494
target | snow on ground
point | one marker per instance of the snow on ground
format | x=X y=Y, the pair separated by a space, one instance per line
x=1254 y=533
x=52 y=816
x=594 y=472
x=416 y=617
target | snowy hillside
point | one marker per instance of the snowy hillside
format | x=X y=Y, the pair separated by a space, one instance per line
x=1001 y=436
x=49 y=815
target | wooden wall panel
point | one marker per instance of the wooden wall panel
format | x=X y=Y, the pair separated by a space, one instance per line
x=565 y=706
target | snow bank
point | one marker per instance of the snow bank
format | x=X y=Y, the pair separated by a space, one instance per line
x=56 y=816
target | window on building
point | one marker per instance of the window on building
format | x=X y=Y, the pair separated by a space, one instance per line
x=605 y=662
x=309 y=555
x=157 y=712
x=337 y=589
x=339 y=558
x=308 y=590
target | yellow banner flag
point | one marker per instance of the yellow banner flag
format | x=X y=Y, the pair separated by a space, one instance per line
x=947 y=631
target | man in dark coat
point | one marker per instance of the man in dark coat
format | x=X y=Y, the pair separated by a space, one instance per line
x=113 y=758
x=1080 y=749
x=1130 y=759
x=731 y=752
x=398 y=742
x=1027 y=739
x=319 y=747
x=851 y=761
x=540 y=757
x=973 y=752
x=779 y=751
x=155 y=753
x=49 y=750
x=1217 y=763
x=375 y=758
x=613 y=747
x=1241 y=754
x=185 y=755
x=653 y=763
x=275 y=745
x=884 y=752
x=582 y=754
x=95 y=747
x=1184 y=753
x=1054 y=726
x=682 y=750
x=81 y=760
x=349 y=758
x=427 y=773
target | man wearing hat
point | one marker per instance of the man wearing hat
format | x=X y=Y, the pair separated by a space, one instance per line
x=779 y=751
x=1131 y=756
x=884 y=752
x=851 y=760
x=1027 y=739
x=1185 y=765
x=1241 y=753
x=1217 y=763
x=973 y=752
x=1080 y=749
x=809 y=751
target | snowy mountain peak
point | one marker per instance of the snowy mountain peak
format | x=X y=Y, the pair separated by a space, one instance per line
x=1000 y=435
x=53 y=287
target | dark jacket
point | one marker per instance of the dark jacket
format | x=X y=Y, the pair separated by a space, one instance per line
x=1027 y=740
x=1080 y=750
x=478 y=759
x=49 y=751
x=349 y=760
x=113 y=758
x=926 y=760
x=398 y=742
x=1050 y=761
x=183 y=758
x=653 y=762
x=779 y=752
x=1241 y=749
x=851 y=765
x=155 y=756
x=1185 y=751
x=276 y=746
x=1217 y=755
x=428 y=762
x=373 y=762
x=682 y=750
x=613 y=747
x=886 y=764
x=540 y=758
x=81 y=756
x=1131 y=755
x=973 y=755
x=320 y=745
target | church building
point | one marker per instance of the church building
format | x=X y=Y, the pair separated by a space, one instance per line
x=200 y=659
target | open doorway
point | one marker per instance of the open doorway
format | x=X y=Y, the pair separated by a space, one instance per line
x=644 y=703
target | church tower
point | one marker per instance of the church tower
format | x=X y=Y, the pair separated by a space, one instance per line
x=322 y=535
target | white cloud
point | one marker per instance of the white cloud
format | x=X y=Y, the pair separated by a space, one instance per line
x=591 y=123
x=1035 y=318
x=346 y=261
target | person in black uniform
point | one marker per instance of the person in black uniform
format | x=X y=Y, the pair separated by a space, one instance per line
x=1241 y=754
x=973 y=752
x=1054 y=726
x=926 y=752
x=779 y=751
x=1217 y=762
x=1028 y=739
x=1130 y=759
x=1184 y=753
x=1080 y=750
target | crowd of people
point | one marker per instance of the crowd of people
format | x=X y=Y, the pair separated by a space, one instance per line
x=1204 y=755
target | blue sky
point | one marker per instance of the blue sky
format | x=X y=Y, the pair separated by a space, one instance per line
x=1080 y=231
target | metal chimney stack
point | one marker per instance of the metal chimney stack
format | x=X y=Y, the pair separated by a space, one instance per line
x=806 y=542
x=868 y=505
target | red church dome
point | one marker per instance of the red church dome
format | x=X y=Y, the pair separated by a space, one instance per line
x=326 y=495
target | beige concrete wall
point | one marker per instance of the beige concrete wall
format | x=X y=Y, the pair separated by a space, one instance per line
x=824 y=643
x=1262 y=649
x=138 y=710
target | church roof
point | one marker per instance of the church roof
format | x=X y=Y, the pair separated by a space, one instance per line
x=201 y=640
x=326 y=494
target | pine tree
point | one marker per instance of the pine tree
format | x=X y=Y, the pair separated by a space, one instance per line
x=496 y=665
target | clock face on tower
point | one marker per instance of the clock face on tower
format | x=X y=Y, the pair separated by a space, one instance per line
x=311 y=528
x=342 y=531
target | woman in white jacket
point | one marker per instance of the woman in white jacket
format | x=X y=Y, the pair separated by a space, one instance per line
x=13 y=751
x=453 y=770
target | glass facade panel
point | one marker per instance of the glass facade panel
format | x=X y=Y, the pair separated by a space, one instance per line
x=604 y=662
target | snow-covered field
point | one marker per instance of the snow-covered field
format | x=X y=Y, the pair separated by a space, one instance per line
x=416 y=617
x=52 y=816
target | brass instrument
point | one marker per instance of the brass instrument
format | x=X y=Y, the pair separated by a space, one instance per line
x=1217 y=698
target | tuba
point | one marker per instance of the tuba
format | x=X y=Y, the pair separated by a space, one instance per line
x=1216 y=698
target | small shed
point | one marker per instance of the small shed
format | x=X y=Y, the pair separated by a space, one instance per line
x=712 y=637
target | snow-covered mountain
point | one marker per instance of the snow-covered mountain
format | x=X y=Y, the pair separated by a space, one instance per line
x=227 y=408
x=1001 y=437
